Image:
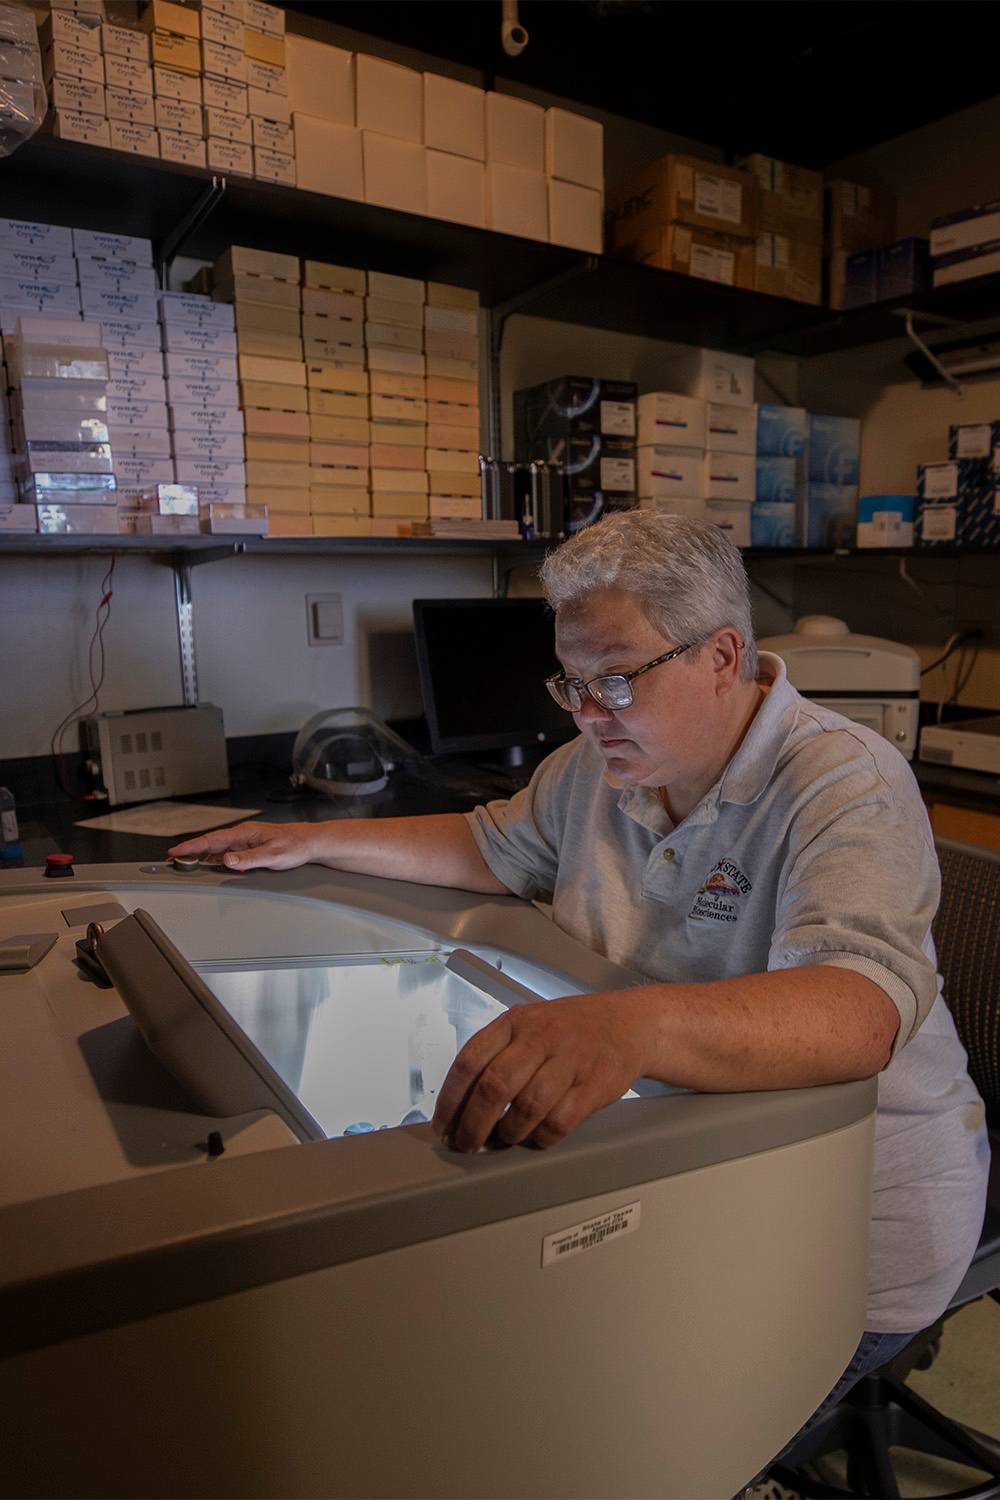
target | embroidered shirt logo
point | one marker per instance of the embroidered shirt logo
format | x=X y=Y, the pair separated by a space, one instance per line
x=718 y=900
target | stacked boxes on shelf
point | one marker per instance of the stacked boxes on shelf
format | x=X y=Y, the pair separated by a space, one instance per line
x=777 y=518
x=831 y=504
x=788 y=251
x=267 y=93
x=118 y=291
x=58 y=374
x=965 y=244
x=687 y=215
x=860 y=223
x=339 y=429
x=74 y=72
x=588 y=425
x=223 y=82
x=697 y=441
x=175 y=53
x=451 y=320
x=958 y=502
x=397 y=369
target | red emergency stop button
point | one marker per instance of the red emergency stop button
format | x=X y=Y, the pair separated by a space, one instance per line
x=57 y=865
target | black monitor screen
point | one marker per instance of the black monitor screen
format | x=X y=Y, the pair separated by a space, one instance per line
x=483 y=665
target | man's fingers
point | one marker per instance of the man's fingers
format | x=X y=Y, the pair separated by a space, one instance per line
x=220 y=840
x=464 y=1074
x=539 y=1095
x=570 y=1111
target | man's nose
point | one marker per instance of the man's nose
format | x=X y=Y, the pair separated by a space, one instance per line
x=590 y=710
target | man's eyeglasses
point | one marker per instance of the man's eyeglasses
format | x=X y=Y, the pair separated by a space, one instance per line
x=613 y=692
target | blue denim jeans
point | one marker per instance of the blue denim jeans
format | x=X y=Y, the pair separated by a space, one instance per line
x=874 y=1351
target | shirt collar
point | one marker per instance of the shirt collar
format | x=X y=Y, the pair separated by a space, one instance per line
x=752 y=767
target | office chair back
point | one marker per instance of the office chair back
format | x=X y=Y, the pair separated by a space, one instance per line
x=967 y=934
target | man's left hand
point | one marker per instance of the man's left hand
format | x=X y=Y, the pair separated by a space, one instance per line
x=548 y=1066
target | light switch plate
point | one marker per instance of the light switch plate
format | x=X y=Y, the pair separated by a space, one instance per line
x=325 y=619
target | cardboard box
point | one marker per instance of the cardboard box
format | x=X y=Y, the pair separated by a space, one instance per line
x=227 y=31
x=328 y=158
x=710 y=375
x=773 y=524
x=858 y=217
x=67 y=125
x=441 y=294
x=224 y=124
x=260 y=369
x=321 y=81
x=72 y=30
x=401 y=361
x=331 y=375
x=393 y=383
x=776 y=479
x=694 y=252
x=267 y=105
x=730 y=476
x=268 y=78
x=260 y=16
x=451 y=320
x=284 y=523
x=454 y=346
x=973 y=439
x=64 y=60
x=402 y=409
x=272 y=135
x=831 y=515
x=788 y=268
x=388 y=310
x=399 y=481
x=266 y=318
x=323 y=277
x=172 y=83
x=782 y=431
x=454 y=118
x=576 y=216
x=517 y=201
x=229 y=156
x=394 y=335
x=218 y=61
x=396 y=288
x=730 y=429
x=395 y=171
x=330 y=429
x=277 y=450
x=969 y=229
x=124 y=41
x=677 y=421
x=834 y=449
x=389 y=98
x=182 y=53
x=456 y=188
x=271 y=345
x=274 y=166
x=886 y=520
x=790 y=199
x=574 y=149
x=902 y=268
x=329 y=500
x=663 y=471
x=165 y=15
x=260 y=47
x=222 y=93
x=78 y=96
x=180 y=116
x=451 y=461
x=515 y=132
x=274 y=422
x=686 y=190
x=966 y=265
x=140 y=140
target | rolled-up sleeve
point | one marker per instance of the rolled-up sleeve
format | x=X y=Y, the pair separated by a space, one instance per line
x=859 y=891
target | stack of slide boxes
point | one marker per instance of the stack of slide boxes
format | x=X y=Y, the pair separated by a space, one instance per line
x=788 y=251
x=687 y=215
x=588 y=426
x=958 y=502
x=697 y=441
x=267 y=93
x=74 y=72
x=337 y=400
x=378 y=132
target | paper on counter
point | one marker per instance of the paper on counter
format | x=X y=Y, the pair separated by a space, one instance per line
x=166 y=819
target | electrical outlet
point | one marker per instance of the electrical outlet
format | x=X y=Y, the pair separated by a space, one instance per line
x=325 y=619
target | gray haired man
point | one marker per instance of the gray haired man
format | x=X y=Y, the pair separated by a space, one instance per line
x=766 y=864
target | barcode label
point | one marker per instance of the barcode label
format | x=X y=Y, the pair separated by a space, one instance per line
x=566 y=1243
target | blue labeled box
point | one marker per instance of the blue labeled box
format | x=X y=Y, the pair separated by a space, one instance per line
x=903 y=267
x=831 y=512
x=772 y=524
x=776 y=479
x=973 y=439
x=834 y=449
x=861 y=279
x=782 y=431
x=886 y=520
x=958 y=504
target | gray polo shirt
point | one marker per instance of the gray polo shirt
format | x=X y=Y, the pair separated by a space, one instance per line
x=813 y=847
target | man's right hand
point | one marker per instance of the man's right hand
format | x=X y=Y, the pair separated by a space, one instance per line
x=255 y=846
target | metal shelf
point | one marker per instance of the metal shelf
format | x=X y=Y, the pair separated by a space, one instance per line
x=213 y=548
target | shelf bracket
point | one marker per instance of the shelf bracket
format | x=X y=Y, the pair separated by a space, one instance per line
x=185 y=629
x=498 y=316
x=167 y=252
x=906 y=313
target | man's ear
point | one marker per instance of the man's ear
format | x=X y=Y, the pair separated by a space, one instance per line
x=726 y=649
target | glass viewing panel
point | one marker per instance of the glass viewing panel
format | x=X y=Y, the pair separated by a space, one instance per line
x=364 y=1041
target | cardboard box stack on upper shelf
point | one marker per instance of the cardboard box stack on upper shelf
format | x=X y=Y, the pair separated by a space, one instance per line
x=788 y=251
x=958 y=502
x=588 y=425
x=966 y=244
x=73 y=68
x=688 y=215
x=864 y=264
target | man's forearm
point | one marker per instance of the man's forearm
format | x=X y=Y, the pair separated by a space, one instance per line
x=434 y=850
x=789 y=1029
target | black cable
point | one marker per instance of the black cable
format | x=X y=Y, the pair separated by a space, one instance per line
x=96 y=679
x=961 y=639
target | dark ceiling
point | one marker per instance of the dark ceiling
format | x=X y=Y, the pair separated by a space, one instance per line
x=808 y=81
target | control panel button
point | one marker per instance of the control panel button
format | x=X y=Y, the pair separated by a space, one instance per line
x=59 y=865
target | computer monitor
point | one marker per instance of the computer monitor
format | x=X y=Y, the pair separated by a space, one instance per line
x=483 y=665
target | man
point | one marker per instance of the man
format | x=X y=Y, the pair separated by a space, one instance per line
x=766 y=863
